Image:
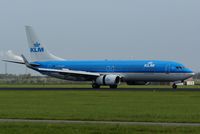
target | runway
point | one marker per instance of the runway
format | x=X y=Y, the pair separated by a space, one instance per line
x=108 y=89
x=100 y=122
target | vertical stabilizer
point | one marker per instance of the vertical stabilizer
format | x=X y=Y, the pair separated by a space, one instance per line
x=37 y=50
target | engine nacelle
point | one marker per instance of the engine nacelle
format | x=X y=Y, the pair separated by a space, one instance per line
x=108 y=80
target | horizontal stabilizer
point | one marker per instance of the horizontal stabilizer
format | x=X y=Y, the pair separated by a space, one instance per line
x=13 y=61
x=9 y=56
x=30 y=65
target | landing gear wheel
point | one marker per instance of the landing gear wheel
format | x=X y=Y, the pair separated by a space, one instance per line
x=94 y=85
x=113 y=86
x=174 y=86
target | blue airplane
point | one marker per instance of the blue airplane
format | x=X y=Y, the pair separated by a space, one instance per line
x=101 y=72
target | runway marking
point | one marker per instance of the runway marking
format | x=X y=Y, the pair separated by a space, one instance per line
x=100 y=122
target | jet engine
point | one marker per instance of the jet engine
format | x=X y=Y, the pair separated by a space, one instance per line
x=109 y=80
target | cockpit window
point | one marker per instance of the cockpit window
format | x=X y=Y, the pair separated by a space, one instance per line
x=180 y=67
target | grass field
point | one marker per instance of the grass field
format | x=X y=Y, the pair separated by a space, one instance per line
x=152 y=106
x=35 y=128
x=102 y=105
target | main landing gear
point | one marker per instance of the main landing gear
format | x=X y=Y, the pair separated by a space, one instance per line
x=94 y=85
x=174 y=86
x=113 y=86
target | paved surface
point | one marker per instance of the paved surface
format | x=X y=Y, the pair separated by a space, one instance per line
x=108 y=89
x=100 y=122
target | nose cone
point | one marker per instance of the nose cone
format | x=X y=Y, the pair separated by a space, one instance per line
x=190 y=72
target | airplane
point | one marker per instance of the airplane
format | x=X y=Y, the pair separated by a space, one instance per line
x=100 y=72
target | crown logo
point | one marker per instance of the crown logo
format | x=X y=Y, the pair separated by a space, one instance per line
x=36 y=44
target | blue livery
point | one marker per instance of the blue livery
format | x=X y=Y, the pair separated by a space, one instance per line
x=102 y=72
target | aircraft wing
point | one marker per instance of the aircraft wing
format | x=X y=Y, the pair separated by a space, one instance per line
x=64 y=72
x=68 y=72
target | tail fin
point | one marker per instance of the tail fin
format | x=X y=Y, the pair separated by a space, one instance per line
x=37 y=50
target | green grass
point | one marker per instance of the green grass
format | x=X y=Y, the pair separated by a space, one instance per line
x=85 y=85
x=35 y=128
x=152 y=106
x=101 y=105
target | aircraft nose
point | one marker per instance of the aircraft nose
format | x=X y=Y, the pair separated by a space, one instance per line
x=189 y=71
x=192 y=74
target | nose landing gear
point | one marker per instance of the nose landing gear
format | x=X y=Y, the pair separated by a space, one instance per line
x=176 y=83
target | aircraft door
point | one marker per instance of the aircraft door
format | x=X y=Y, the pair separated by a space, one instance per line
x=110 y=68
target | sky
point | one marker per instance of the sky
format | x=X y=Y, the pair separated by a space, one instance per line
x=104 y=29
